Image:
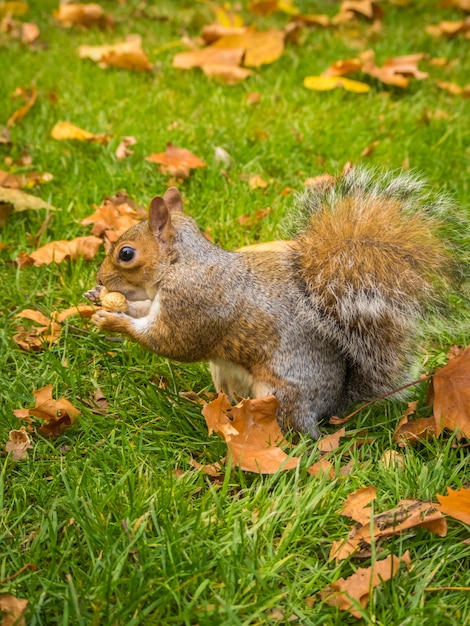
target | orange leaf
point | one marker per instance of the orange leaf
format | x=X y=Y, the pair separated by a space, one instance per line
x=260 y=46
x=331 y=442
x=358 y=586
x=18 y=444
x=12 y=608
x=176 y=161
x=456 y=504
x=395 y=71
x=30 y=97
x=113 y=218
x=89 y=14
x=251 y=432
x=449 y=393
x=355 y=505
x=208 y=56
x=66 y=130
x=228 y=74
x=127 y=54
x=57 y=415
x=58 y=251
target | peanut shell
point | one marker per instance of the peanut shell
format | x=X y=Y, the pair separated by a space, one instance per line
x=114 y=301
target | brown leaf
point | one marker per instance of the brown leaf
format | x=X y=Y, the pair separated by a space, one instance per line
x=358 y=586
x=29 y=32
x=449 y=28
x=331 y=442
x=228 y=74
x=12 y=608
x=341 y=68
x=395 y=71
x=86 y=15
x=127 y=55
x=208 y=56
x=456 y=504
x=407 y=514
x=215 y=470
x=356 y=503
x=176 y=161
x=30 y=96
x=66 y=130
x=123 y=151
x=256 y=182
x=454 y=89
x=113 y=218
x=22 y=201
x=449 y=394
x=57 y=415
x=251 y=432
x=58 y=251
x=259 y=47
x=18 y=444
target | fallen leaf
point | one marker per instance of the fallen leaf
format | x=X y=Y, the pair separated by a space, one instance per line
x=66 y=130
x=227 y=17
x=13 y=8
x=12 y=608
x=30 y=96
x=86 y=15
x=212 y=32
x=313 y=20
x=176 y=161
x=449 y=28
x=342 y=592
x=113 y=218
x=456 y=504
x=393 y=460
x=215 y=469
x=411 y=431
x=449 y=394
x=57 y=415
x=340 y=68
x=29 y=32
x=127 y=54
x=256 y=182
x=24 y=180
x=251 y=432
x=18 y=444
x=228 y=74
x=356 y=503
x=395 y=71
x=327 y=83
x=208 y=56
x=260 y=47
x=15 y=200
x=329 y=443
x=407 y=514
x=58 y=251
x=123 y=151
x=454 y=89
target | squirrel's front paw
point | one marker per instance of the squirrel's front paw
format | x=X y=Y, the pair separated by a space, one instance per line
x=111 y=321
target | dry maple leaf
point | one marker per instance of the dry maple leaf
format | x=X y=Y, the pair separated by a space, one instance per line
x=358 y=586
x=449 y=394
x=30 y=96
x=449 y=28
x=176 y=161
x=329 y=443
x=113 y=218
x=356 y=503
x=57 y=415
x=395 y=71
x=123 y=151
x=18 y=444
x=407 y=514
x=260 y=47
x=66 y=130
x=12 y=608
x=251 y=432
x=86 y=15
x=456 y=504
x=228 y=74
x=127 y=54
x=58 y=251
x=208 y=56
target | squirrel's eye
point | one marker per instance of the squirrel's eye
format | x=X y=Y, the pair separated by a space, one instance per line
x=126 y=253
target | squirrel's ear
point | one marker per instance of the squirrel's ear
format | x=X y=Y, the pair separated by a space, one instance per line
x=173 y=199
x=159 y=217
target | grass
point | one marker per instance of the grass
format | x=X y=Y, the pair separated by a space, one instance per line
x=117 y=534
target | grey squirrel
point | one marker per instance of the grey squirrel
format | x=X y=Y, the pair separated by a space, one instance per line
x=321 y=321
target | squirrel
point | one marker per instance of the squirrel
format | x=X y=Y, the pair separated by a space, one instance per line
x=321 y=321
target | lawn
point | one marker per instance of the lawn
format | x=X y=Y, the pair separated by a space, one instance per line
x=111 y=520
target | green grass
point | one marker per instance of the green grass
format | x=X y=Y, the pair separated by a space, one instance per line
x=117 y=535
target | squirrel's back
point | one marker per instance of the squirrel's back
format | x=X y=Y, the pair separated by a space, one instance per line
x=370 y=256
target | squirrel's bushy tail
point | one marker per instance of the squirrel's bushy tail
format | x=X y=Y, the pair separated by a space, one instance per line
x=369 y=254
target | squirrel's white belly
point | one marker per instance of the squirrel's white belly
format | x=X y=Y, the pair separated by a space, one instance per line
x=235 y=380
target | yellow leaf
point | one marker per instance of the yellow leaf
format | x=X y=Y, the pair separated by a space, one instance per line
x=326 y=83
x=13 y=8
x=260 y=46
x=66 y=130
